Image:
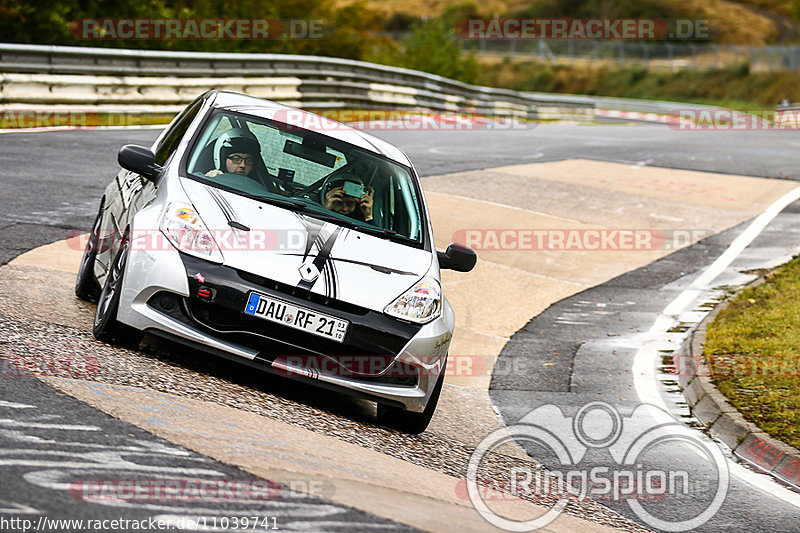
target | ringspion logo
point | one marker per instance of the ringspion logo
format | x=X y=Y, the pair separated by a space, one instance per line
x=646 y=459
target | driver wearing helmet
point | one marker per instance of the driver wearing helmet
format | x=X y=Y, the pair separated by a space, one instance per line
x=235 y=152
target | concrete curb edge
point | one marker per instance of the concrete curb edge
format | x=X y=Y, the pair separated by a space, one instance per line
x=723 y=421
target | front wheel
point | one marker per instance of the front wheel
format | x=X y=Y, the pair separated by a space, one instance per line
x=86 y=286
x=106 y=327
x=409 y=421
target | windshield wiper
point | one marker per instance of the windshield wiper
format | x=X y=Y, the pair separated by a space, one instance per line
x=385 y=233
x=280 y=202
x=323 y=214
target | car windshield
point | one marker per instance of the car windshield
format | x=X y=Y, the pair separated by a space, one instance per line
x=308 y=171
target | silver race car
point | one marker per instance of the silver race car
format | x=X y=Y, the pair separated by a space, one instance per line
x=280 y=239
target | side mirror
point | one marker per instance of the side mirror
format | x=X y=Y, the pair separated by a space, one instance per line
x=457 y=257
x=140 y=160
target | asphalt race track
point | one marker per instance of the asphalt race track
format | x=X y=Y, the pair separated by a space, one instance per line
x=579 y=350
x=59 y=189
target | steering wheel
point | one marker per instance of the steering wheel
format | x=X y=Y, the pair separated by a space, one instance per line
x=242 y=180
x=306 y=193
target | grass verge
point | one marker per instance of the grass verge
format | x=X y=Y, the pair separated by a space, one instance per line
x=753 y=350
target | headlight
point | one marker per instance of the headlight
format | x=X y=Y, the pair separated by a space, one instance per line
x=421 y=303
x=186 y=231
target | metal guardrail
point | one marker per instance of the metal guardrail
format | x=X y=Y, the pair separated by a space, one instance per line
x=102 y=76
x=646 y=106
x=164 y=81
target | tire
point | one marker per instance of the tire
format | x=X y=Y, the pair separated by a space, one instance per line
x=86 y=286
x=409 y=421
x=106 y=328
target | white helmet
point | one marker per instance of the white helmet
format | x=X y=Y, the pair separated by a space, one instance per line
x=236 y=140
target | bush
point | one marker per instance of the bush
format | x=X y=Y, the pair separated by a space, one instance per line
x=433 y=47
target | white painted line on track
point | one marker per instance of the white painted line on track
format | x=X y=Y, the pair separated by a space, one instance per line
x=16 y=405
x=7 y=422
x=764 y=483
x=644 y=363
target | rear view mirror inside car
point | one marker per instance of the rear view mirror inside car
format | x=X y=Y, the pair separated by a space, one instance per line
x=310 y=152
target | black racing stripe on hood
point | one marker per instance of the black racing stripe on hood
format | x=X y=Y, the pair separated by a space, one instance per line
x=329 y=281
x=334 y=278
x=301 y=218
x=321 y=261
x=314 y=232
x=330 y=266
x=223 y=204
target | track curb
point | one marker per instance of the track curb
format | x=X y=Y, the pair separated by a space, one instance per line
x=723 y=421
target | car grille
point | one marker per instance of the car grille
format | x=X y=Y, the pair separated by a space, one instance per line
x=370 y=347
x=303 y=294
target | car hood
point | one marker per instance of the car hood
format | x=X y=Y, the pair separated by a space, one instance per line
x=298 y=250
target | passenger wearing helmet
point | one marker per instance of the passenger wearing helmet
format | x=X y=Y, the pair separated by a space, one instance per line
x=237 y=152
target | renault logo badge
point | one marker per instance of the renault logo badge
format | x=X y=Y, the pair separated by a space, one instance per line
x=308 y=271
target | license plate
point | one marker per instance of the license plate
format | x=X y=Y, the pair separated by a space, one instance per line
x=296 y=317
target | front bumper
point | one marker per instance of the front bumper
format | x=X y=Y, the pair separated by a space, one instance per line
x=381 y=358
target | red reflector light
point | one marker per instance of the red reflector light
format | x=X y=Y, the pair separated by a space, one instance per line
x=204 y=292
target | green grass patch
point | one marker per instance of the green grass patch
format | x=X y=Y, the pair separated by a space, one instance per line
x=753 y=350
